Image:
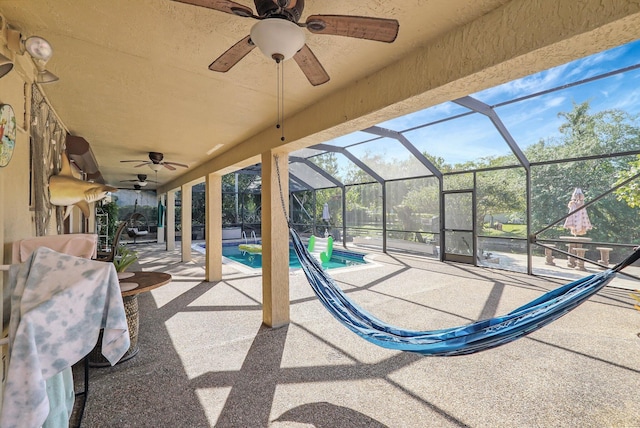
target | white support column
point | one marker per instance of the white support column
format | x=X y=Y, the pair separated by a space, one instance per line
x=275 y=241
x=213 y=227
x=91 y=221
x=171 y=220
x=185 y=242
x=74 y=220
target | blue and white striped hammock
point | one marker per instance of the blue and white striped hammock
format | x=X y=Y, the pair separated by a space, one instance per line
x=466 y=339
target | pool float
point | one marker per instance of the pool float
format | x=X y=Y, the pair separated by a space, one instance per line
x=321 y=248
x=250 y=248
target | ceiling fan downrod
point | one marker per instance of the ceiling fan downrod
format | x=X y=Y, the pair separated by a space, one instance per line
x=280 y=93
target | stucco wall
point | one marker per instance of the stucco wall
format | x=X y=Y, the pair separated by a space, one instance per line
x=15 y=216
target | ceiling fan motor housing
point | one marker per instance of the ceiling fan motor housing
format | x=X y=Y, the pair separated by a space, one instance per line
x=156 y=157
x=278 y=8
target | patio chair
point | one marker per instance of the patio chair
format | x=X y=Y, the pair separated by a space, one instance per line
x=137 y=226
x=108 y=256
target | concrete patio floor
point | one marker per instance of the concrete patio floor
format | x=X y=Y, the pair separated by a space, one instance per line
x=206 y=359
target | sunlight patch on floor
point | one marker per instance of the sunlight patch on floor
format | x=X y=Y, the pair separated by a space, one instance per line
x=213 y=401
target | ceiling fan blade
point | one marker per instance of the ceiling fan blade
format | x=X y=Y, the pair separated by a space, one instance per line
x=143 y=164
x=169 y=167
x=134 y=160
x=360 y=27
x=310 y=66
x=222 y=6
x=232 y=56
x=177 y=164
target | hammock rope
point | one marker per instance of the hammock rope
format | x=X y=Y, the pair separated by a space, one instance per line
x=462 y=340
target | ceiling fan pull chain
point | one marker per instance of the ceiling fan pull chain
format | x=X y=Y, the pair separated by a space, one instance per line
x=280 y=96
x=278 y=93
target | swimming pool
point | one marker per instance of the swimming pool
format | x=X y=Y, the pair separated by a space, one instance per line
x=339 y=258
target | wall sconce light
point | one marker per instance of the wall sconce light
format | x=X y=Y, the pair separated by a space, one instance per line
x=41 y=52
x=38 y=48
x=6 y=65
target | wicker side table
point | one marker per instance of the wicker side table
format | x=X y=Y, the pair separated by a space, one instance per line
x=145 y=281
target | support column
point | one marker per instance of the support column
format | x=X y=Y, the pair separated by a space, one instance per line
x=185 y=222
x=275 y=241
x=91 y=221
x=75 y=220
x=213 y=228
x=171 y=220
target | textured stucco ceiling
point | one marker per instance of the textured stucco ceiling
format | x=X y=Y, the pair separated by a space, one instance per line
x=134 y=77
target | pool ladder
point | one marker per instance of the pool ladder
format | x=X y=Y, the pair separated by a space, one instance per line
x=253 y=236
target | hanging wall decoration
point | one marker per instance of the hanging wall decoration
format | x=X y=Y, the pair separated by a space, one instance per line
x=7 y=134
x=47 y=145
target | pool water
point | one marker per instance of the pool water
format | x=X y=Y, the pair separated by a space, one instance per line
x=339 y=258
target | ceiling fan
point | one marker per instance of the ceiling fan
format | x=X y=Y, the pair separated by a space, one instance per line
x=136 y=188
x=156 y=162
x=279 y=36
x=141 y=181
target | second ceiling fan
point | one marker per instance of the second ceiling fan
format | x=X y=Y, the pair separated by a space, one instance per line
x=140 y=181
x=279 y=35
x=156 y=162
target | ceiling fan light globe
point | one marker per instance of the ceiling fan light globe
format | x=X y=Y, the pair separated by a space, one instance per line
x=142 y=183
x=38 y=48
x=277 y=38
x=155 y=166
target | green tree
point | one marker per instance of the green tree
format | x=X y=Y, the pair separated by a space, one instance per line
x=333 y=197
x=630 y=193
x=413 y=205
x=500 y=192
x=585 y=134
x=234 y=186
x=198 y=204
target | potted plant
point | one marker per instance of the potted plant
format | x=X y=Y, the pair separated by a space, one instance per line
x=124 y=258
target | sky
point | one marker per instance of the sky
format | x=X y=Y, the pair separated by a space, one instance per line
x=473 y=136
